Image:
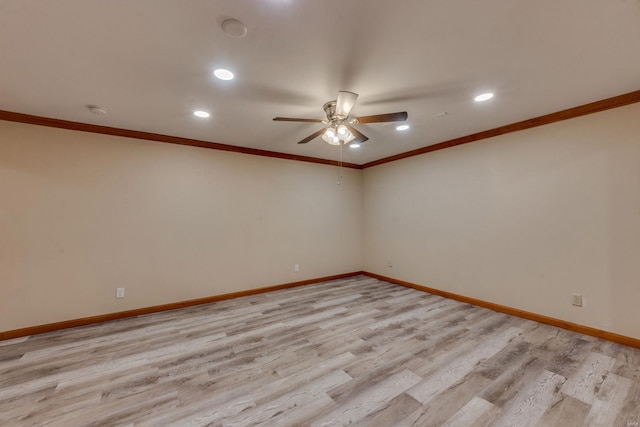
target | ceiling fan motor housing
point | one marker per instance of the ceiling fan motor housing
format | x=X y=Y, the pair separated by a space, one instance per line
x=330 y=110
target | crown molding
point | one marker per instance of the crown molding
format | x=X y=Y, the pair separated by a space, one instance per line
x=570 y=113
x=127 y=133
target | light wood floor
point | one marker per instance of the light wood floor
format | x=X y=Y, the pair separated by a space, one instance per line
x=356 y=351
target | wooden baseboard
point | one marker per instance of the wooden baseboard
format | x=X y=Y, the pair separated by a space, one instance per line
x=586 y=330
x=49 y=327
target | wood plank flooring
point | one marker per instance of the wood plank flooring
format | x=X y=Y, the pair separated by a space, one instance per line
x=354 y=351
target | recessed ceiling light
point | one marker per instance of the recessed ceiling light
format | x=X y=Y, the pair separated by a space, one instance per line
x=402 y=127
x=202 y=114
x=223 y=74
x=355 y=145
x=483 y=97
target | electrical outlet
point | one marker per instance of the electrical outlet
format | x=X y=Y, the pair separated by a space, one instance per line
x=296 y=267
x=390 y=264
x=576 y=299
x=119 y=292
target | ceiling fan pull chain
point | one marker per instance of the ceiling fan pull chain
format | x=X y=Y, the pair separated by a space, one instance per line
x=340 y=167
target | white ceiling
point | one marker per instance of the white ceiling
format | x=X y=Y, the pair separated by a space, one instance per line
x=150 y=63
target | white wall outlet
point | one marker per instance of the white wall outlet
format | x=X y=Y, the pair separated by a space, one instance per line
x=576 y=299
x=119 y=292
x=296 y=267
x=390 y=264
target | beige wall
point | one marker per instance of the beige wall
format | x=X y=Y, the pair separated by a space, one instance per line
x=524 y=219
x=82 y=214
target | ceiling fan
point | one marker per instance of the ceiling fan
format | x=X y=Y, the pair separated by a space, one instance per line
x=340 y=129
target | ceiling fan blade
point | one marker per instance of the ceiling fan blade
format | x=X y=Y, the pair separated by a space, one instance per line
x=360 y=137
x=293 y=119
x=344 y=104
x=312 y=136
x=390 y=117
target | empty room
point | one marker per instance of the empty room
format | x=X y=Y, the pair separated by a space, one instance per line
x=319 y=213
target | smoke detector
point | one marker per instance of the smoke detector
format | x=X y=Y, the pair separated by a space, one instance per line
x=233 y=28
x=98 y=111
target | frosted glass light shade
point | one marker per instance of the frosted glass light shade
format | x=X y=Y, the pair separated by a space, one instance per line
x=343 y=132
x=329 y=135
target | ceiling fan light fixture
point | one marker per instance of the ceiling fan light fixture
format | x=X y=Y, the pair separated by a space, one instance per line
x=336 y=135
x=402 y=127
